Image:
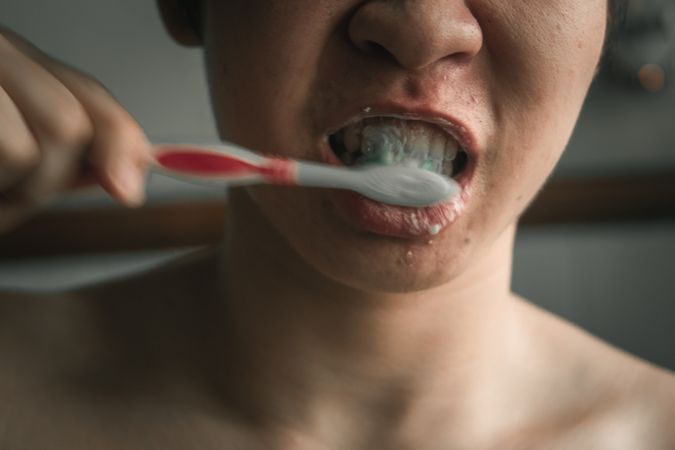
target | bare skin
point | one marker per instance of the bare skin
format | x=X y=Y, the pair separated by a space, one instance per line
x=304 y=330
x=147 y=363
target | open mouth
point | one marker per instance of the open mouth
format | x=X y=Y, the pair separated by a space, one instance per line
x=399 y=141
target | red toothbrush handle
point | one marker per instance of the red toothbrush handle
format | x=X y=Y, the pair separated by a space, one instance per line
x=204 y=162
x=200 y=162
x=280 y=171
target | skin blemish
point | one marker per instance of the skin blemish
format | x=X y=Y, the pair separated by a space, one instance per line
x=435 y=229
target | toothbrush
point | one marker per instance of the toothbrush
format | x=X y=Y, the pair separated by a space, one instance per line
x=228 y=164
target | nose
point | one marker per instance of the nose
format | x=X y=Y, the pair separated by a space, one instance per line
x=416 y=33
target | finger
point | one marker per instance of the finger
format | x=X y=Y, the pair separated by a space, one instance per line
x=120 y=151
x=53 y=113
x=58 y=122
x=19 y=151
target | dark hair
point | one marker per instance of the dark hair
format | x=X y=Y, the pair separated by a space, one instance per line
x=192 y=11
x=615 y=18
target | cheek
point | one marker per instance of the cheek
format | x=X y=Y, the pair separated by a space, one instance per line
x=533 y=45
x=260 y=64
x=543 y=56
x=253 y=108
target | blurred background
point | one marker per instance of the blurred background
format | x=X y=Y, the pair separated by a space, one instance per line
x=598 y=247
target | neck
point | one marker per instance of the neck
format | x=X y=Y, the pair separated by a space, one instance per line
x=309 y=349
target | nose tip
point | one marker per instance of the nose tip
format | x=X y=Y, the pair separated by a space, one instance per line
x=416 y=33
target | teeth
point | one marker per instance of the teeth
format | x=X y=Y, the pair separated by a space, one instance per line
x=383 y=144
x=451 y=149
x=418 y=145
x=352 y=139
x=397 y=141
x=437 y=153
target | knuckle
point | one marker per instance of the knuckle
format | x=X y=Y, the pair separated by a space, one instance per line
x=71 y=128
x=126 y=131
x=94 y=84
x=19 y=156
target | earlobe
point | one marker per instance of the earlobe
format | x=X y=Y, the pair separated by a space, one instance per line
x=182 y=20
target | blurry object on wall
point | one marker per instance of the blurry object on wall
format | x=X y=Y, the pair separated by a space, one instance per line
x=643 y=56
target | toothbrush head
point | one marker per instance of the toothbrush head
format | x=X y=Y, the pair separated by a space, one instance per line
x=406 y=186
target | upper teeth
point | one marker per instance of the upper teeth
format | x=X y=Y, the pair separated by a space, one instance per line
x=398 y=141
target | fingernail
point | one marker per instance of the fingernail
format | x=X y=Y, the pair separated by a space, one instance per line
x=131 y=184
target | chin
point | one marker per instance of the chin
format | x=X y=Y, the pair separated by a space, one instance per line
x=327 y=247
x=390 y=277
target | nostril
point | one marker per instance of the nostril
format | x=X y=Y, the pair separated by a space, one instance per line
x=378 y=50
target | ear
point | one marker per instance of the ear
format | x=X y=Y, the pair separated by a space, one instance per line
x=182 y=19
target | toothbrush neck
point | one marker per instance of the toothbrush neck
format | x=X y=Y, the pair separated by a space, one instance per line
x=279 y=171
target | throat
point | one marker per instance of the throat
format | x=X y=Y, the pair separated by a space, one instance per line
x=302 y=348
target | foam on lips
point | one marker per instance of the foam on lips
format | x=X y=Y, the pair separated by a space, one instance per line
x=398 y=141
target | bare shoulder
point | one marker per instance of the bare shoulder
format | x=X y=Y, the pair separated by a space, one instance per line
x=43 y=326
x=627 y=402
x=44 y=337
x=39 y=337
x=88 y=361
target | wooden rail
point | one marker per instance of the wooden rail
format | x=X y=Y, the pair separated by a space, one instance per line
x=564 y=200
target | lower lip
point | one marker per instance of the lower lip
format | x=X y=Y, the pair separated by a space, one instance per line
x=411 y=223
x=395 y=221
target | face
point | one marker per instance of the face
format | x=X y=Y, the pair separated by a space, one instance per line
x=324 y=79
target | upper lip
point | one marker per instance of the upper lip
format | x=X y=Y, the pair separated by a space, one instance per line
x=451 y=125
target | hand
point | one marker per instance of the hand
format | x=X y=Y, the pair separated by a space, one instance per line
x=61 y=129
